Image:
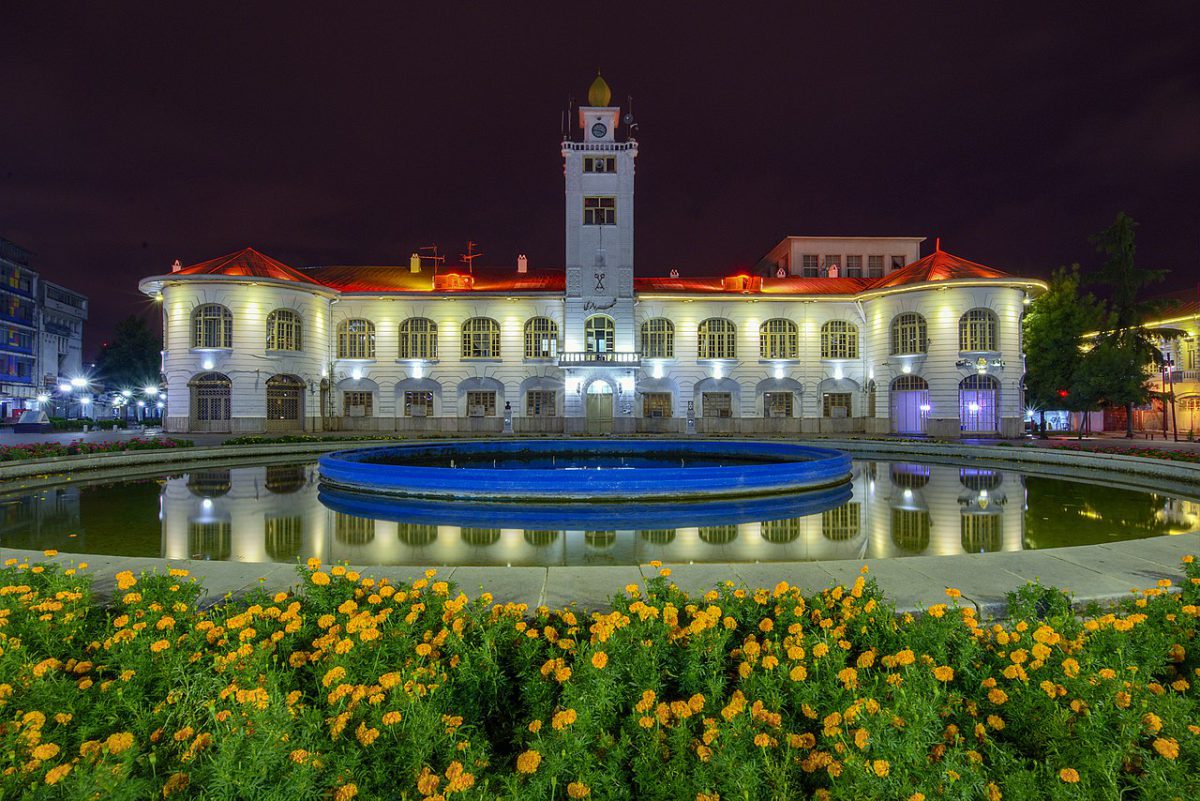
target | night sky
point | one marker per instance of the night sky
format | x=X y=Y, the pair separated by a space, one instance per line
x=132 y=134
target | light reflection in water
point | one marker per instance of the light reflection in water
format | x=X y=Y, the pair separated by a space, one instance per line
x=276 y=514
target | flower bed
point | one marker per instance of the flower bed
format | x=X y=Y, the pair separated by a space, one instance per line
x=46 y=450
x=1146 y=453
x=371 y=690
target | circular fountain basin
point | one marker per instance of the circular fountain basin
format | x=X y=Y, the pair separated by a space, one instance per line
x=585 y=470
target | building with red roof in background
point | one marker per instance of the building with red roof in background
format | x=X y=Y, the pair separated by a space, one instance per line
x=825 y=334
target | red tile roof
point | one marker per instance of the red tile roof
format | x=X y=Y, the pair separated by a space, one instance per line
x=250 y=263
x=399 y=279
x=792 y=285
x=937 y=266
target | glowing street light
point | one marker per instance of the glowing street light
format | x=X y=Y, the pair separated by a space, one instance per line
x=127 y=393
x=64 y=387
x=42 y=398
x=151 y=391
x=79 y=382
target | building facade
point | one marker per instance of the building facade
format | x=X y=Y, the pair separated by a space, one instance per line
x=839 y=335
x=41 y=332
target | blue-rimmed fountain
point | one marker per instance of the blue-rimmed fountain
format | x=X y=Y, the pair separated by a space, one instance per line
x=594 y=471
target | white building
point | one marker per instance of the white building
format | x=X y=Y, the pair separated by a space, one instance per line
x=843 y=335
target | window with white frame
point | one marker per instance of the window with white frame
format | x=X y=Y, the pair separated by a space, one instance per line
x=599 y=210
x=854 y=267
x=540 y=403
x=716 y=404
x=874 y=266
x=658 y=339
x=779 y=339
x=356 y=339
x=418 y=338
x=810 y=265
x=418 y=403
x=898 y=263
x=839 y=340
x=481 y=403
x=284 y=330
x=909 y=334
x=599 y=334
x=481 y=338
x=778 y=404
x=717 y=339
x=977 y=330
x=212 y=326
x=656 y=404
x=358 y=404
x=541 y=338
x=835 y=404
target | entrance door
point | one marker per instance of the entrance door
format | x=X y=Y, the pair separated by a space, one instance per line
x=599 y=408
x=285 y=403
x=910 y=405
x=977 y=407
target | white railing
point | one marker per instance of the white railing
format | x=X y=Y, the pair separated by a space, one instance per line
x=1185 y=375
x=580 y=359
x=599 y=147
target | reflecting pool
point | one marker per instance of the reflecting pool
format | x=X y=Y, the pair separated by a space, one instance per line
x=277 y=513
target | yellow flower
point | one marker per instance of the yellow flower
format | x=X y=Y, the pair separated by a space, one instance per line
x=578 y=790
x=535 y=726
x=1069 y=775
x=952 y=592
x=997 y=696
x=159 y=645
x=119 y=742
x=943 y=673
x=599 y=660
x=528 y=761
x=321 y=579
x=299 y=756
x=1168 y=748
x=563 y=719
x=881 y=767
x=125 y=580
x=346 y=792
x=56 y=773
x=1152 y=722
x=391 y=718
x=45 y=751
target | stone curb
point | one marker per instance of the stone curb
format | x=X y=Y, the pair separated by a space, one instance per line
x=1092 y=574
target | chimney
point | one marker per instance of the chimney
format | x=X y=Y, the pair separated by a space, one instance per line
x=522 y=263
x=176 y=267
x=414 y=263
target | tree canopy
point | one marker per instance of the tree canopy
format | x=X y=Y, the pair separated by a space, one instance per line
x=133 y=359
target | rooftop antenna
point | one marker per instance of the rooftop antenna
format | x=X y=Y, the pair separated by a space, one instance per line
x=566 y=127
x=470 y=256
x=433 y=257
x=630 y=125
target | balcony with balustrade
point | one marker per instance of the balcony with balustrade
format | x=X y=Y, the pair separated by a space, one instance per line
x=607 y=359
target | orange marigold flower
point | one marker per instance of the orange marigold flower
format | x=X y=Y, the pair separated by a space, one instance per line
x=563 y=719
x=1069 y=775
x=321 y=579
x=599 y=661
x=1152 y=722
x=299 y=756
x=578 y=790
x=56 y=773
x=160 y=645
x=119 y=742
x=346 y=792
x=881 y=767
x=943 y=673
x=953 y=592
x=1167 y=747
x=997 y=696
x=528 y=761
x=391 y=718
x=175 y=783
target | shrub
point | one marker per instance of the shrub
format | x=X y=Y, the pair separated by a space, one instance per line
x=357 y=688
x=46 y=450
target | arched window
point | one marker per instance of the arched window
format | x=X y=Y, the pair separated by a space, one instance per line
x=718 y=339
x=481 y=338
x=599 y=334
x=212 y=326
x=658 y=339
x=977 y=330
x=541 y=338
x=418 y=338
x=839 y=340
x=779 y=339
x=356 y=339
x=284 y=330
x=909 y=334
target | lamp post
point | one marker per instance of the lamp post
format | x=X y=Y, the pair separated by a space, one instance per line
x=1169 y=375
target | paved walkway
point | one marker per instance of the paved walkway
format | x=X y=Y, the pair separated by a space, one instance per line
x=1093 y=573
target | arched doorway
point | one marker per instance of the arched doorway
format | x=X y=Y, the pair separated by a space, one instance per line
x=1187 y=414
x=210 y=403
x=285 y=403
x=599 y=407
x=978 y=404
x=910 y=404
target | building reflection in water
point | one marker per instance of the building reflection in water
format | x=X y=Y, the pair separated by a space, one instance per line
x=273 y=514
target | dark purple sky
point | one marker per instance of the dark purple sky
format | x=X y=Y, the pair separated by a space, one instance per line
x=132 y=134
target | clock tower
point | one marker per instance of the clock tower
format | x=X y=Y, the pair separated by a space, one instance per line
x=600 y=343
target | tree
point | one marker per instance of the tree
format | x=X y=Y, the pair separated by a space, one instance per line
x=1053 y=331
x=133 y=359
x=1126 y=347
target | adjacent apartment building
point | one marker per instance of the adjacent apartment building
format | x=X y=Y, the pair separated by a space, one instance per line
x=41 y=332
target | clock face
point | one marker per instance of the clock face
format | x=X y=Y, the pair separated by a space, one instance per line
x=599 y=130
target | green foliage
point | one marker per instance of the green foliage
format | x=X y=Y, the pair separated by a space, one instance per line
x=1053 y=334
x=354 y=688
x=49 y=450
x=77 y=423
x=133 y=358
